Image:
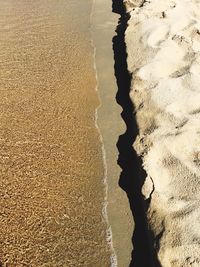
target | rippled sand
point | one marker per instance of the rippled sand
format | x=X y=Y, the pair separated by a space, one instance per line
x=51 y=188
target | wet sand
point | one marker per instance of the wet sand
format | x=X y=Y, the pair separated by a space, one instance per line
x=111 y=125
x=51 y=168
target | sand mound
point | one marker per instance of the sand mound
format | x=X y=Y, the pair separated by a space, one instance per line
x=163 y=46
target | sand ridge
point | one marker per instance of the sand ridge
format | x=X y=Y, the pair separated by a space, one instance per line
x=163 y=46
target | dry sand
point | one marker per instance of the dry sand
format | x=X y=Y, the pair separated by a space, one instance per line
x=51 y=169
x=163 y=46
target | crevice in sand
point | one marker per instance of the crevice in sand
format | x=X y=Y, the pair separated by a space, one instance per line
x=133 y=175
x=143 y=3
x=148 y=201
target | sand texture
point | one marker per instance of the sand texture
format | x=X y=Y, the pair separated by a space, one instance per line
x=163 y=46
x=51 y=169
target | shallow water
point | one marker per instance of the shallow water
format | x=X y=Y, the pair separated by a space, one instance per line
x=51 y=180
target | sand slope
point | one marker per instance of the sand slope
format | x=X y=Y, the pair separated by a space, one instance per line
x=163 y=46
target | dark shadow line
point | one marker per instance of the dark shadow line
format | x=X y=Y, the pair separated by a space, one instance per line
x=133 y=175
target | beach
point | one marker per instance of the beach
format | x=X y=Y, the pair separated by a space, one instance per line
x=99 y=133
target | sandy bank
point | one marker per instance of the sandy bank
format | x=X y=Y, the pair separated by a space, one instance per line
x=163 y=46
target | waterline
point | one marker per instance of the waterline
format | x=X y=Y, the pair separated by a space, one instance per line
x=113 y=257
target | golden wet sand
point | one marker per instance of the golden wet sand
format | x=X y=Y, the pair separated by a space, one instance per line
x=51 y=185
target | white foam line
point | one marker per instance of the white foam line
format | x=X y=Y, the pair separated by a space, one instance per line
x=109 y=238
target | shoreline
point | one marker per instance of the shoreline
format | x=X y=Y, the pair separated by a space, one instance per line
x=118 y=215
x=113 y=257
